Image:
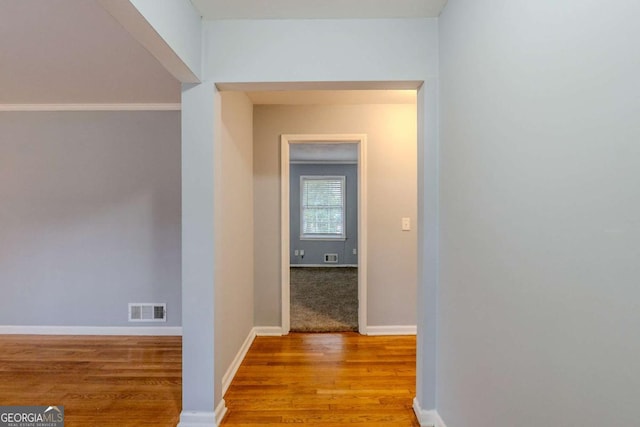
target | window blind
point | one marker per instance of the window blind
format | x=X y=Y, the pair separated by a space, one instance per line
x=322 y=206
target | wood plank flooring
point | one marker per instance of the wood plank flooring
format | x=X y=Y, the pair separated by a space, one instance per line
x=100 y=381
x=325 y=380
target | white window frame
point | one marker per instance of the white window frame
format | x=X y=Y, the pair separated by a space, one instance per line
x=324 y=236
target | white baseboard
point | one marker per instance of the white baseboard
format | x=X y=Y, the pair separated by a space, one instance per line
x=235 y=363
x=198 y=419
x=221 y=411
x=427 y=418
x=268 y=331
x=392 y=330
x=92 y=330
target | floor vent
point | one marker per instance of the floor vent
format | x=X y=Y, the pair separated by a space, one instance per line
x=147 y=312
x=331 y=258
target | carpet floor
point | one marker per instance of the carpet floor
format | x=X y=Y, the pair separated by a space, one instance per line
x=324 y=299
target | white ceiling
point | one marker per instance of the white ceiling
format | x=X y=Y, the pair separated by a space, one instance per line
x=73 y=51
x=316 y=9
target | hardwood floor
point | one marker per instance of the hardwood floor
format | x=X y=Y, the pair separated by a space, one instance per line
x=316 y=379
x=325 y=380
x=100 y=381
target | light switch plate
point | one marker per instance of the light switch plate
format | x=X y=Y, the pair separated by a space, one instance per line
x=406 y=224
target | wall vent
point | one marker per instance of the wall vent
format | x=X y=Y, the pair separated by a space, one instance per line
x=331 y=258
x=147 y=312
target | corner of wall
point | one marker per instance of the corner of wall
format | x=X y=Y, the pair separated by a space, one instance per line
x=427 y=418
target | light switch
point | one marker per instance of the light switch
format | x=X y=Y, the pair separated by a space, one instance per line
x=406 y=224
x=296 y=252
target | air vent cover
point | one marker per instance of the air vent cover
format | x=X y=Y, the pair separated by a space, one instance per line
x=147 y=312
x=331 y=258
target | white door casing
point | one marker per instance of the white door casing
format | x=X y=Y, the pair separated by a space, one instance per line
x=361 y=141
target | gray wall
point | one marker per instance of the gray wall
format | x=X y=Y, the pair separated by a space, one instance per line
x=392 y=194
x=314 y=250
x=540 y=203
x=89 y=216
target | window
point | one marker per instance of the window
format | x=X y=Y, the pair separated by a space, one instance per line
x=322 y=210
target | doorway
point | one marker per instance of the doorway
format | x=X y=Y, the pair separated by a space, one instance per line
x=323 y=237
x=289 y=143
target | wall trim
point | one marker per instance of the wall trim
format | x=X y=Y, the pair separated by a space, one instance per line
x=91 y=107
x=268 y=331
x=427 y=418
x=91 y=330
x=198 y=418
x=221 y=411
x=237 y=361
x=392 y=330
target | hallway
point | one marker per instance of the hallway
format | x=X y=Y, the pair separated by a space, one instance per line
x=325 y=379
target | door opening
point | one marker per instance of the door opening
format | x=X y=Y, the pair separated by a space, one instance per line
x=327 y=228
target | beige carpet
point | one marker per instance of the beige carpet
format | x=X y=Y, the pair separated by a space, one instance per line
x=324 y=299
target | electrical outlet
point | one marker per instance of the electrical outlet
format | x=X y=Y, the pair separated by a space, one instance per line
x=355 y=251
x=406 y=224
x=301 y=252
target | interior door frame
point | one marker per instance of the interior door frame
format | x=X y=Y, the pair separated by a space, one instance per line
x=285 y=143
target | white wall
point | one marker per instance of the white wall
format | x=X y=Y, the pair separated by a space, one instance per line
x=344 y=50
x=392 y=194
x=180 y=26
x=233 y=222
x=200 y=106
x=89 y=216
x=540 y=200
